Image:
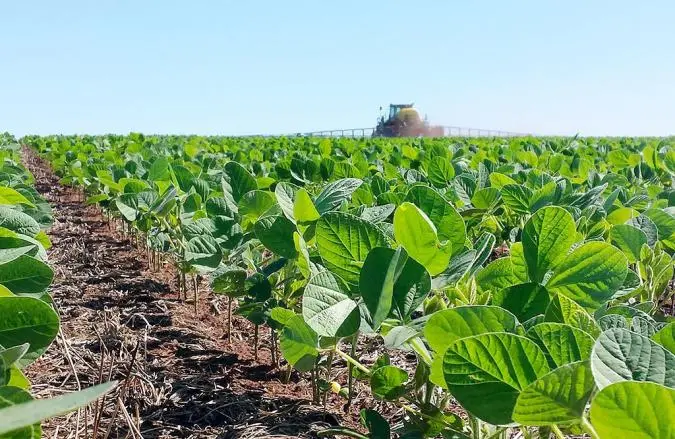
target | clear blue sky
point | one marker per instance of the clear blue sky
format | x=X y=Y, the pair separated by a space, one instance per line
x=222 y=67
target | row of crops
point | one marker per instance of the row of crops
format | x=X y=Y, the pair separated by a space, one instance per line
x=28 y=321
x=529 y=277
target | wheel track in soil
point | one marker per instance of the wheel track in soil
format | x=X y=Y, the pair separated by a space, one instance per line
x=187 y=381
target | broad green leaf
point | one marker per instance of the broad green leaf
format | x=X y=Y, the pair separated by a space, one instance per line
x=377 y=214
x=327 y=308
x=159 y=170
x=634 y=410
x=391 y=281
x=441 y=172
x=43 y=239
x=517 y=197
x=27 y=320
x=299 y=343
x=303 y=209
x=643 y=223
x=562 y=343
x=486 y=198
x=629 y=239
x=621 y=215
x=518 y=261
x=499 y=180
x=449 y=325
x=387 y=382
x=10 y=197
x=333 y=194
x=547 y=236
x=26 y=275
x=562 y=309
x=18 y=222
x=254 y=204
x=26 y=413
x=380 y=271
x=240 y=180
x=666 y=337
x=228 y=280
x=203 y=251
x=559 y=397
x=487 y=372
x=523 y=300
x=665 y=224
x=590 y=274
x=276 y=233
x=497 y=275
x=343 y=241
x=622 y=355
x=285 y=194
x=182 y=176
x=415 y=232
x=449 y=223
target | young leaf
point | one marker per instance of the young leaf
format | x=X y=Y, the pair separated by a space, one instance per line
x=417 y=234
x=276 y=233
x=327 y=308
x=333 y=194
x=547 y=236
x=590 y=274
x=449 y=223
x=622 y=355
x=487 y=372
x=18 y=222
x=344 y=241
x=562 y=343
x=299 y=343
x=523 y=300
x=27 y=320
x=634 y=410
x=390 y=280
x=559 y=397
x=629 y=239
x=387 y=382
x=446 y=326
x=240 y=180
x=562 y=309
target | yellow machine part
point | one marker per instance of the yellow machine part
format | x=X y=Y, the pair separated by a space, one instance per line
x=410 y=116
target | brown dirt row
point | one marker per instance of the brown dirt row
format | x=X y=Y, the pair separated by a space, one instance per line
x=180 y=376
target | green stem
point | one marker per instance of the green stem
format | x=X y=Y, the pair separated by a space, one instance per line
x=353 y=362
x=556 y=431
x=421 y=350
x=589 y=428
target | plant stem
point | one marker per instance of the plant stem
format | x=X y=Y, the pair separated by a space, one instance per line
x=273 y=337
x=421 y=350
x=556 y=431
x=229 y=320
x=352 y=363
x=195 y=286
x=589 y=428
x=255 y=343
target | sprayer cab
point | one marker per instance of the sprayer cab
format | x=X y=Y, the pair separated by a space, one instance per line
x=404 y=121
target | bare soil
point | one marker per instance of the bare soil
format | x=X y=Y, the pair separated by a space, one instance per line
x=179 y=376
